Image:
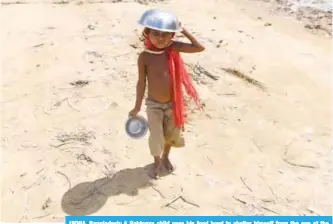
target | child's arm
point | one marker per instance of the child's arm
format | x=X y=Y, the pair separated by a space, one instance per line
x=194 y=47
x=140 y=86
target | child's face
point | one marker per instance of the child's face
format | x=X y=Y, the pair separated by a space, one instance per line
x=159 y=39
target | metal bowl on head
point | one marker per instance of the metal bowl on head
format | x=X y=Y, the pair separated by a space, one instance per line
x=161 y=20
x=136 y=127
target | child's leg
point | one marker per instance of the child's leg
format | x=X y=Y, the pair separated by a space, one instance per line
x=156 y=138
x=173 y=138
x=165 y=157
x=157 y=166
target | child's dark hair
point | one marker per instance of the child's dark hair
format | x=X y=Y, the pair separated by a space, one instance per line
x=145 y=31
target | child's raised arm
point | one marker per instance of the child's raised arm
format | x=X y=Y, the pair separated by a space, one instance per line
x=194 y=47
x=140 y=86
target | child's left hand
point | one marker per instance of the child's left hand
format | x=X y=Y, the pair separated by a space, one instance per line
x=181 y=26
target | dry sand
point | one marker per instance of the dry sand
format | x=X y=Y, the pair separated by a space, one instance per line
x=260 y=147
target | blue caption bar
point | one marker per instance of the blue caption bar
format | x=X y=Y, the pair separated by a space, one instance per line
x=198 y=219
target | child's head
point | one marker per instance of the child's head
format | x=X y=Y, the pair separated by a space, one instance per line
x=158 y=38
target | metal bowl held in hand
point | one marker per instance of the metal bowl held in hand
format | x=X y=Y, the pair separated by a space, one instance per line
x=136 y=127
x=160 y=20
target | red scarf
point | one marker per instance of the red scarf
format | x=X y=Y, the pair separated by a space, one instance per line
x=178 y=77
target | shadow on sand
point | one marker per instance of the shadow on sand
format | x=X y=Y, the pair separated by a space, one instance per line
x=88 y=197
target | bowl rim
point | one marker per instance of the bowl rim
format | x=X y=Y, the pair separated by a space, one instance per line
x=141 y=118
x=160 y=29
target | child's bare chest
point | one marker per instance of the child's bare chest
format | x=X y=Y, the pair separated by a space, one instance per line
x=157 y=65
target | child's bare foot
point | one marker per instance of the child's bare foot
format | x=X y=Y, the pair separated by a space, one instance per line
x=156 y=168
x=167 y=164
x=156 y=171
x=165 y=158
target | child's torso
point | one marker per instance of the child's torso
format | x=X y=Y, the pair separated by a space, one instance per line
x=158 y=77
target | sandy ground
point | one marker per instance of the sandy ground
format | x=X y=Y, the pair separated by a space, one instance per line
x=313 y=18
x=260 y=147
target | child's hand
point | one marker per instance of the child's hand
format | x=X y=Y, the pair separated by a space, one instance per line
x=183 y=29
x=181 y=26
x=133 y=112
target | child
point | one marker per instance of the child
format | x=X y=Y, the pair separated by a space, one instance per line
x=162 y=66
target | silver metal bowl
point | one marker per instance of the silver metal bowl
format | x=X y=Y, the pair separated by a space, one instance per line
x=136 y=127
x=159 y=19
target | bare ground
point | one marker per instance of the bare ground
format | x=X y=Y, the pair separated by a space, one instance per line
x=260 y=147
